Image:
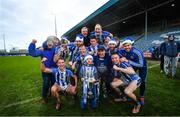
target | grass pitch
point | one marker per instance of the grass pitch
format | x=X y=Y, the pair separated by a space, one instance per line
x=20 y=91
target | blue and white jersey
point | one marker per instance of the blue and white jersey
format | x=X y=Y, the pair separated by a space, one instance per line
x=79 y=59
x=88 y=71
x=92 y=50
x=74 y=52
x=135 y=57
x=62 y=51
x=62 y=78
x=115 y=73
x=128 y=77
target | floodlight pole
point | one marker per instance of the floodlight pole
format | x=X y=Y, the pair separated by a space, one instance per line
x=55 y=25
x=145 y=25
x=4 y=40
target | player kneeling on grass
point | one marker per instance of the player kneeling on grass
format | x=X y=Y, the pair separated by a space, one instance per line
x=90 y=89
x=62 y=83
x=129 y=77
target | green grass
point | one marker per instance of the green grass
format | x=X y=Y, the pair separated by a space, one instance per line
x=20 y=79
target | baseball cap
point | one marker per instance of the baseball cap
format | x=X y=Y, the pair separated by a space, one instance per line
x=101 y=47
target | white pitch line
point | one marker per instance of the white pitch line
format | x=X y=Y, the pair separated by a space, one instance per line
x=22 y=102
x=37 y=98
x=153 y=66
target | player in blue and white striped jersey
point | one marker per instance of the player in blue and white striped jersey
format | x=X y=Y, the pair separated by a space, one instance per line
x=136 y=59
x=124 y=75
x=63 y=77
x=74 y=49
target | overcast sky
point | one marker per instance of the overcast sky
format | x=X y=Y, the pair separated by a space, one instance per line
x=23 y=20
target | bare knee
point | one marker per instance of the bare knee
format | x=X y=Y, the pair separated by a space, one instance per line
x=73 y=93
x=112 y=85
x=72 y=90
x=127 y=91
x=54 y=89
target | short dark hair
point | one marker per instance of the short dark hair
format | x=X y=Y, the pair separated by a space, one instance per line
x=120 y=56
x=114 y=53
x=92 y=37
x=60 y=58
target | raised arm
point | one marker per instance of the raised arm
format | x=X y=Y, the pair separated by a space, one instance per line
x=32 y=49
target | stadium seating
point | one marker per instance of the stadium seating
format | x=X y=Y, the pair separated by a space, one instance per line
x=154 y=38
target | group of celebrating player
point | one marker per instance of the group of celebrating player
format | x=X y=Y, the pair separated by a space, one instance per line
x=99 y=61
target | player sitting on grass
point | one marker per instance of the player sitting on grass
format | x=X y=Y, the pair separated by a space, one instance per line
x=62 y=77
x=88 y=75
x=128 y=77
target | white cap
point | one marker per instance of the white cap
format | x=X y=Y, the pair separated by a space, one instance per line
x=79 y=39
x=112 y=42
x=127 y=41
x=87 y=57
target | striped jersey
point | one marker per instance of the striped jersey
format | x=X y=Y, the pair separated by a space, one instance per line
x=124 y=76
x=62 y=78
x=88 y=71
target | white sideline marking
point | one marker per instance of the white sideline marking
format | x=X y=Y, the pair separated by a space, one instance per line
x=22 y=102
x=37 y=98
x=152 y=66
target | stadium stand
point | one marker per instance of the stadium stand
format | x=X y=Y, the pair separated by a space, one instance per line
x=145 y=20
x=19 y=52
x=156 y=38
x=127 y=17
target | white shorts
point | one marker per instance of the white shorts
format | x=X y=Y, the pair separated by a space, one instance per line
x=62 y=88
x=137 y=81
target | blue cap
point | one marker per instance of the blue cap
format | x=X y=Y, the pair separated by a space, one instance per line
x=101 y=47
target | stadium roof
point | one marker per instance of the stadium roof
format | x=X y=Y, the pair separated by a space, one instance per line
x=117 y=16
